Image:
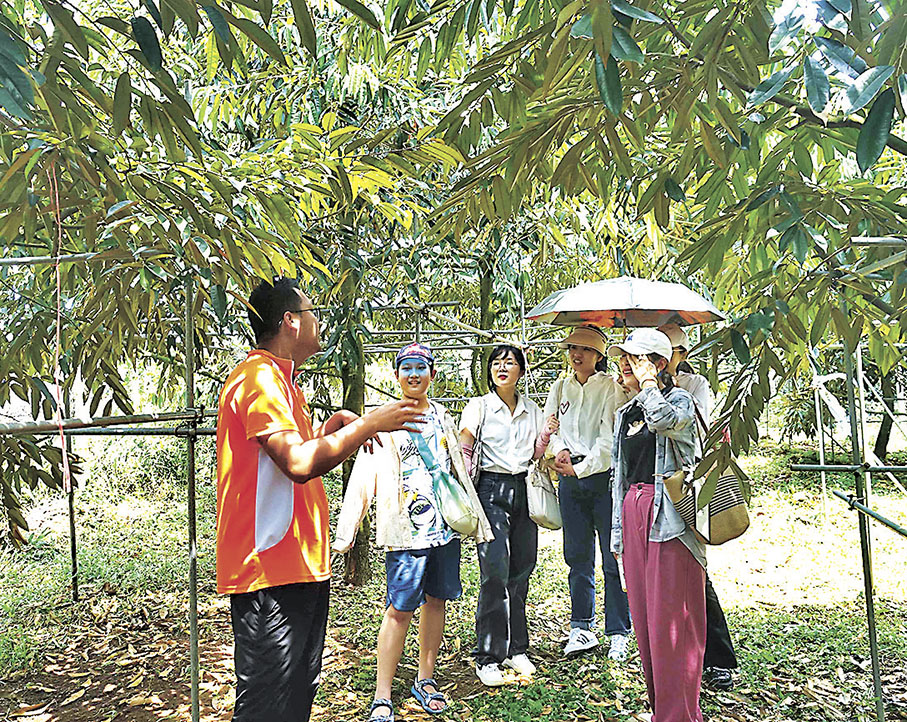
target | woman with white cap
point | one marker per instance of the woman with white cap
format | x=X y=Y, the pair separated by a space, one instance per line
x=580 y=407
x=664 y=563
x=720 y=659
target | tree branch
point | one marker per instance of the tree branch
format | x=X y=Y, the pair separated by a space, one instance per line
x=897 y=144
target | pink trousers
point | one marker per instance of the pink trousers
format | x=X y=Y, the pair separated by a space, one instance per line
x=666 y=590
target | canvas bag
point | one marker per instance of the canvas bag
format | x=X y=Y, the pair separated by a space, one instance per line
x=723 y=517
x=453 y=501
x=544 y=508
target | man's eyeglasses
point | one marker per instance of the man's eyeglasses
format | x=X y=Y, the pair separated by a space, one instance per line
x=316 y=311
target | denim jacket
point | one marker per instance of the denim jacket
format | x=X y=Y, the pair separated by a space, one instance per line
x=669 y=415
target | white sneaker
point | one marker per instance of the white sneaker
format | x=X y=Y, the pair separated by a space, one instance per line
x=619 y=644
x=490 y=674
x=521 y=664
x=581 y=640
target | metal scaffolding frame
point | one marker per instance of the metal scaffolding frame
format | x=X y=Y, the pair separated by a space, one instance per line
x=862 y=472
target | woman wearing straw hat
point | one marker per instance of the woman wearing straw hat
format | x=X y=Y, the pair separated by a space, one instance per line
x=720 y=659
x=580 y=407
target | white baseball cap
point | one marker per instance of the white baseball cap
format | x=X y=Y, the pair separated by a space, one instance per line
x=677 y=335
x=643 y=341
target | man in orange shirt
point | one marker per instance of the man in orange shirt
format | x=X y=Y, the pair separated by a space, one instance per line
x=272 y=511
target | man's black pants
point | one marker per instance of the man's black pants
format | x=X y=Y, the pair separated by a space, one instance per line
x=279 y=634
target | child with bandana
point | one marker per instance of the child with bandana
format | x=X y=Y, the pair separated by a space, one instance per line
x=423 y=552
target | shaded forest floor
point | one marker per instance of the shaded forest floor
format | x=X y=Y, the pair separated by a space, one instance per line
x=791 y=589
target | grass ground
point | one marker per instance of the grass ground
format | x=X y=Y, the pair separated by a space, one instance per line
x=791 y=589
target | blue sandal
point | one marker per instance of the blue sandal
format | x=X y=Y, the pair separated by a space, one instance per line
x=426 y=698
x=381 y=717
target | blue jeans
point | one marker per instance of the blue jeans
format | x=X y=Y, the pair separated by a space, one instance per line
x=586 y=509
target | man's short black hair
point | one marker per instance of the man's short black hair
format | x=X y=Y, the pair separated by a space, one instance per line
x=269 y=302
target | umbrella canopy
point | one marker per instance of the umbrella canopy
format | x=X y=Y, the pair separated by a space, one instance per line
x=625 y=301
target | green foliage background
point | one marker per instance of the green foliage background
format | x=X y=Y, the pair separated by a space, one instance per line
x=468 y=150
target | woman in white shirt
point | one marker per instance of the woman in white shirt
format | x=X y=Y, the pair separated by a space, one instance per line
x=507 y=425
x=583 y=405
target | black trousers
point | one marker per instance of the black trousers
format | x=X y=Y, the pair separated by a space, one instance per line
x=279 y=634
x=719 y=649
x=505 y=565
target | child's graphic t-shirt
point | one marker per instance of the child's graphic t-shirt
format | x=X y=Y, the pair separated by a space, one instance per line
x=427 y=525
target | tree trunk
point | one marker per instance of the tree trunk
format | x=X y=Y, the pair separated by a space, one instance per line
x=888 y=394
x=486 y=323
x=352 y=372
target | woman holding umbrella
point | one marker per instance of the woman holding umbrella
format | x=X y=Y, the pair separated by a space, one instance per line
x=664 y=562
x=581 y=409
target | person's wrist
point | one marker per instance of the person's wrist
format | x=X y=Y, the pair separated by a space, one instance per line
x=648 y=383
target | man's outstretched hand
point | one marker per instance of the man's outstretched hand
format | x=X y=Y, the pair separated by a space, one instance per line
x=396 y=415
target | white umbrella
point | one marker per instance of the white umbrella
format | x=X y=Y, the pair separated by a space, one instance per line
x=625 y=301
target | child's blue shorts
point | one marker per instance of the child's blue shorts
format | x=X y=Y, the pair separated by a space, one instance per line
x=411 y=574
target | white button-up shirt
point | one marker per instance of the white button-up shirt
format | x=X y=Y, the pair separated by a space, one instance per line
x=698 y=386
x=586 y=415
x=508 y=440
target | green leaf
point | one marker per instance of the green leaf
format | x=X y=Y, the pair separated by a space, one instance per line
x=845 y=59
x=674 y=191
x=785 y=30
x=258 y=35
x=13 y=105
x=582 y=28
x=842 y=6
x=9 y=48
x=902 y=89
x=865 y=87
x=608 y=80
x=741 y=349
x=769 y=88
x=219 y=23
x=759 y=322
x=145 y=36
x=219 y=302
x=424 y=58
x=305 y=26
x=818 y=89
x=623 y=47
x=876 y=128
x=66 y=24
x=362 y=12
x=154 y=13
x=122 y=103
x=763 y=197
x=16 y=81
x=622 y=6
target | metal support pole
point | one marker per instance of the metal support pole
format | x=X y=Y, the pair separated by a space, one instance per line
x=190 y=479
x=417 y=324
x=862 y=400
x=821 y=428
x=868 y=587
x=854 y=504
x=74 y=574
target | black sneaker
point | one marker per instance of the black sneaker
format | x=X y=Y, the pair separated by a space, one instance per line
x=718 y=678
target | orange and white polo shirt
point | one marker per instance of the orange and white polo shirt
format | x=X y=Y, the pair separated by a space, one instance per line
x=270 y=531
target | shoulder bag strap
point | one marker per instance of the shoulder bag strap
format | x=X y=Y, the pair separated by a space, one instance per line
x=477 y=444
x=431 y=463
